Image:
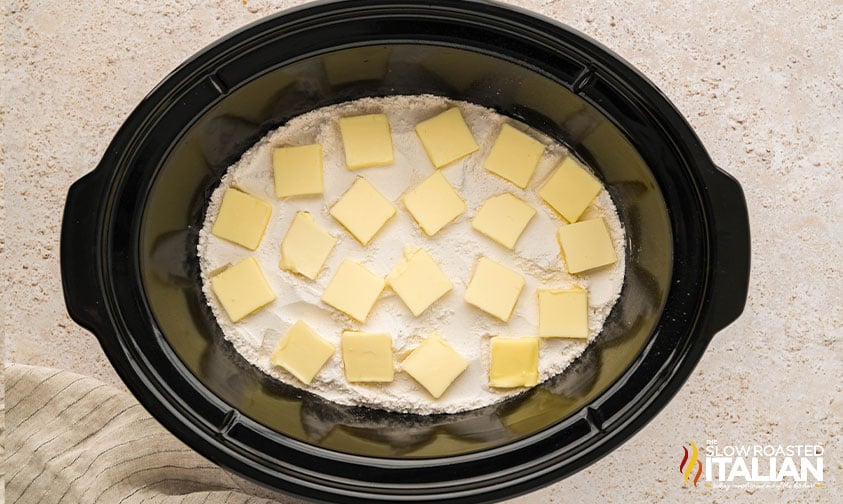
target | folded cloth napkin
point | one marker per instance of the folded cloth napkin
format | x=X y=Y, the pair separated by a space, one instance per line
x=75 y=440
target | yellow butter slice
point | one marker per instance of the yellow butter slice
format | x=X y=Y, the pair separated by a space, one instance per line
x=446 y=138
x=353 y=290
x=367 y=357
x=418 y=280
x=570 y=189
x=586 y=245
x=305 y=247
x=494 y=288
x=298 y=170
x=434 y=365
x=302 y=352
x=242 y=289
x=434 y=203
x=563 y=313
x=503 y=218
x=363 y=210
x=514 y=362
x=242 y=218
x=514 y=156
x=367 y=141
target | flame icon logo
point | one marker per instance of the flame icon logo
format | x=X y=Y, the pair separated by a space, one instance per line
x=686 y=467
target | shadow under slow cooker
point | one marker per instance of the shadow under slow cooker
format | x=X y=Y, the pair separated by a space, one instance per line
x=179 y=193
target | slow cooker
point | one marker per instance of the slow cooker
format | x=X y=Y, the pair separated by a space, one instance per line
x=130 y=228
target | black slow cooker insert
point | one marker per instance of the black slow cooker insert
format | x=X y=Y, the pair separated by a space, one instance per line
x=130 y=227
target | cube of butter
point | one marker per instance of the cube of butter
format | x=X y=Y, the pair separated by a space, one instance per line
x=514 y=362
x=570 y=189
x=242 y=289
x=302 y=352
x=586 y=245
x=514 y=156
x=298 y=170
x=367 y=357
x=446 y=138
x=503 y=218
x=434 y=203
x=494 y=288
x=418 y=281
x=367 y=140
x=242 y=218
x=305 y=247
x=353 y=290
x=563 y=313
x=434 y=365
x=362 y=210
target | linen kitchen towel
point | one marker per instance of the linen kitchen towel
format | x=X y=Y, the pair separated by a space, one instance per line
x=74 y=440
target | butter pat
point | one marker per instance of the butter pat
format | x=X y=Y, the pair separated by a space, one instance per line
x=298 y=170
x=305 y=247
x=570 y=189
x=362 y=210
x=446 y=138
x=434 y=203
x=418 y=281
x=353 y=290
x=367 y=140
x=494 y=288
x=514 y=362
x=242 y=289
x=302 y=352
x=242 y=218
x=503 y=219
x=563 y=313
x=586 y=245
x=367 y=357
x=434 y=365
x=514 y=156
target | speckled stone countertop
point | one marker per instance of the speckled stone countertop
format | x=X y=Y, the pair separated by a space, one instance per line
x=760 y=81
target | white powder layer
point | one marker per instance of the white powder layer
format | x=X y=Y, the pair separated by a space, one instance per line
x=455 y=248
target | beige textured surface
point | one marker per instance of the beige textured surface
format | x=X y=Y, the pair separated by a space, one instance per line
x=761 y=82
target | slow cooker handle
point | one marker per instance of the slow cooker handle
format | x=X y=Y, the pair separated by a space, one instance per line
x=79 y=251
x=730 y=250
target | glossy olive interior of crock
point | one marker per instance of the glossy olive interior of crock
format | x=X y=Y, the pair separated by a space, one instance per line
x=175 y=209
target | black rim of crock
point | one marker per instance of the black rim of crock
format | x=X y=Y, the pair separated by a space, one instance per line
x=180 y=402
